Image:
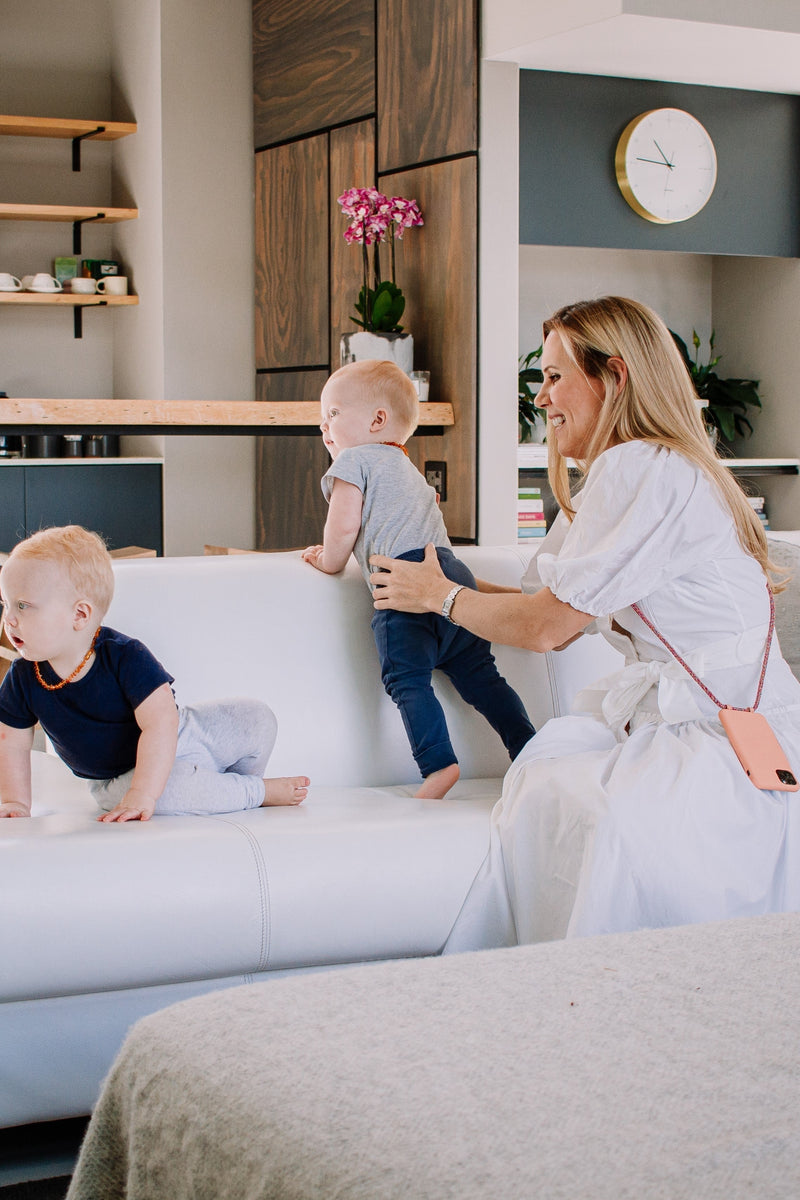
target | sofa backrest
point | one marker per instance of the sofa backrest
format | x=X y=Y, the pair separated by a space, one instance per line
x=270 y=626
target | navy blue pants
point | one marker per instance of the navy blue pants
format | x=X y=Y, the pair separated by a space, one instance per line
x=411 y=645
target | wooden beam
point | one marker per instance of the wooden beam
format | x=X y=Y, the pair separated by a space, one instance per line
x=163 y=413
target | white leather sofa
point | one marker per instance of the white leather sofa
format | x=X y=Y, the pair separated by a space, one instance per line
x=103 y=924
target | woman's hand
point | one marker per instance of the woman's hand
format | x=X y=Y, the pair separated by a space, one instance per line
x=409 y=586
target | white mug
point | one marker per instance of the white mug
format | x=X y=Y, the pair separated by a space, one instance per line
x=42 y=282
x=9 y=283
x=80 y=284
x=113 y=285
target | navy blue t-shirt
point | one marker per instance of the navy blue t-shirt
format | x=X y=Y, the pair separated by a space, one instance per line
x=90 y=721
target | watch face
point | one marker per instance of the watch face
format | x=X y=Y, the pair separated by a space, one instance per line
x=666 y=165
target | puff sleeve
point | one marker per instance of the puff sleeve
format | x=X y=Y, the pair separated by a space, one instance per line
x=646 y=516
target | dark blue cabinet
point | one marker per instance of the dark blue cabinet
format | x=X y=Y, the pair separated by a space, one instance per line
x=120 y=501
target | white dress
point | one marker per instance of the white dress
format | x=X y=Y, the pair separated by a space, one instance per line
x=635 y=812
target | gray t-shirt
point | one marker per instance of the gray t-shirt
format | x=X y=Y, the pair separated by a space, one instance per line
x=400 y=510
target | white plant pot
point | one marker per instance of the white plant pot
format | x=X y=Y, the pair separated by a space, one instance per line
x=388 y=347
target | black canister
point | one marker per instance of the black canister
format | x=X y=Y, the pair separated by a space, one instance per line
x=101 y=445
x=72 y=445
x=41 y=445
x=10 y=444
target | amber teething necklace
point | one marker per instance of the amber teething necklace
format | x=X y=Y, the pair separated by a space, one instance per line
x=54 y=687
x=399 y=445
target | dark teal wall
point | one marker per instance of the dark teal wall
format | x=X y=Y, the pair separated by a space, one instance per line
x=569 y=127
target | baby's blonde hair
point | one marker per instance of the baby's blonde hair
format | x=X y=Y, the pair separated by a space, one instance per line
x=385 y=383
x=82 y=554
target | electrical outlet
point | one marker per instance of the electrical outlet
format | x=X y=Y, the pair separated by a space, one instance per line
x=436 y=476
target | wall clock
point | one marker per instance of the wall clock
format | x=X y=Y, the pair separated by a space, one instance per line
x=666 y=165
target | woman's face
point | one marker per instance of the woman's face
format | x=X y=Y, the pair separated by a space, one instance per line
x=572 y=400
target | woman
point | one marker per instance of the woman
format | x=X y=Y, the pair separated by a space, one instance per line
x=635 y=811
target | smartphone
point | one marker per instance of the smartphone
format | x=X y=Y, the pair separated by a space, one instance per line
x=758 y=750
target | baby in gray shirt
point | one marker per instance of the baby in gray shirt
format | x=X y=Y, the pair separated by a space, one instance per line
x=379 y=503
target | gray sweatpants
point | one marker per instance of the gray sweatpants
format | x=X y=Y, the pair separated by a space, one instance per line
x=223 y=749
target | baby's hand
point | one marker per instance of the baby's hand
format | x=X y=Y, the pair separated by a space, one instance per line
x=312 y=554
x=130 y=809
x=14 y=808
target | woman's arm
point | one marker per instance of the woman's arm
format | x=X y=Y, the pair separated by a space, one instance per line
x=485 y=585
x=534 y=622
x=157 y=717
x=341 y=529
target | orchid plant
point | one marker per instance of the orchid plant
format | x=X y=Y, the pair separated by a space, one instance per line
x=375 y=218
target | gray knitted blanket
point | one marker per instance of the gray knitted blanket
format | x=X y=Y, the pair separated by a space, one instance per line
x=659 y=1065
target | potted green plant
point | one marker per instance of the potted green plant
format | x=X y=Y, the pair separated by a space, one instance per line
x=529 y=415
x=726 y=401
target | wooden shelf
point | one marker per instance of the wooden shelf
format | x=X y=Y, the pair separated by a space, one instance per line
x=58 y=127
x=98 y=214
x=172 y=416
x=66 y=299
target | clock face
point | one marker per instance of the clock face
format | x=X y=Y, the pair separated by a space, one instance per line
x=666 y=165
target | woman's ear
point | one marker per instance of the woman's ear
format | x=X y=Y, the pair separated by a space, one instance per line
x=619 y=369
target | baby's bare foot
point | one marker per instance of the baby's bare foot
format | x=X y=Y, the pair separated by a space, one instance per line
x=437 y=785
x=288 y=789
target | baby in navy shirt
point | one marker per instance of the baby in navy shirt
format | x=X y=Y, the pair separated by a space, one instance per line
x=107 y=704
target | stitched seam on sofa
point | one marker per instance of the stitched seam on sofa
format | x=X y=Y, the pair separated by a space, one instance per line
x=263 y=887
x=552 y=680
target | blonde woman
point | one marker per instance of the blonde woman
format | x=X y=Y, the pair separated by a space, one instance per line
x=635 y=811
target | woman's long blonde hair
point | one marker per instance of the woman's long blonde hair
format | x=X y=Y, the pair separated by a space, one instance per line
x=657 y=403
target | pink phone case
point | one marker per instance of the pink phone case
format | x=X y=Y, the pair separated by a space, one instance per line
x=758 y=750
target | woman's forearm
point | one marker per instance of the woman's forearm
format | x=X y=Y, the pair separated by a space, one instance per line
x=534 y=622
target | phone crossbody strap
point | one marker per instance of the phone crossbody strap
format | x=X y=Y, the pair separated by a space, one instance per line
x=696 y=678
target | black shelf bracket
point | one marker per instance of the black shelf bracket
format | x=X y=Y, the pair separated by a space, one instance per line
x=76 y=230
x=76 y=145
x=77 y=316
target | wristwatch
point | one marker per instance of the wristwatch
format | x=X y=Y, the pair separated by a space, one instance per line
x=449 y=600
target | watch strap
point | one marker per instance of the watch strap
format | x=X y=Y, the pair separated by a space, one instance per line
x=449 y=600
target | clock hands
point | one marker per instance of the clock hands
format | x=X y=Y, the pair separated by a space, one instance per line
x=659 y=162
x=663 y=155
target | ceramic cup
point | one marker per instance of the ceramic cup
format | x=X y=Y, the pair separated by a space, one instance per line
x=81 y=285
x=113 y=285
x=42 y=282
x=9 y=283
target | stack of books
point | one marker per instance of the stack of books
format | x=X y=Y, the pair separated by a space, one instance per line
x=530 y=512
x=760 y=507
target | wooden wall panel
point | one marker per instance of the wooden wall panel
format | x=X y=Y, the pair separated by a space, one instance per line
x=437 y=270
x=291 y=230
x=290 y=385
x=291 y=510
x=352 y=164
x=313 y=65
x=427 y=80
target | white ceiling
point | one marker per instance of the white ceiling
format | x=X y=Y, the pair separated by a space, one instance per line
x=596 y=37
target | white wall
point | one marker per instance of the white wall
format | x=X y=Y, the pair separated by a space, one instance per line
x=208 y=256
x=54 y=61
x=677 y=286
x=498 y=303
x=757 y=318
x=182 y=71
